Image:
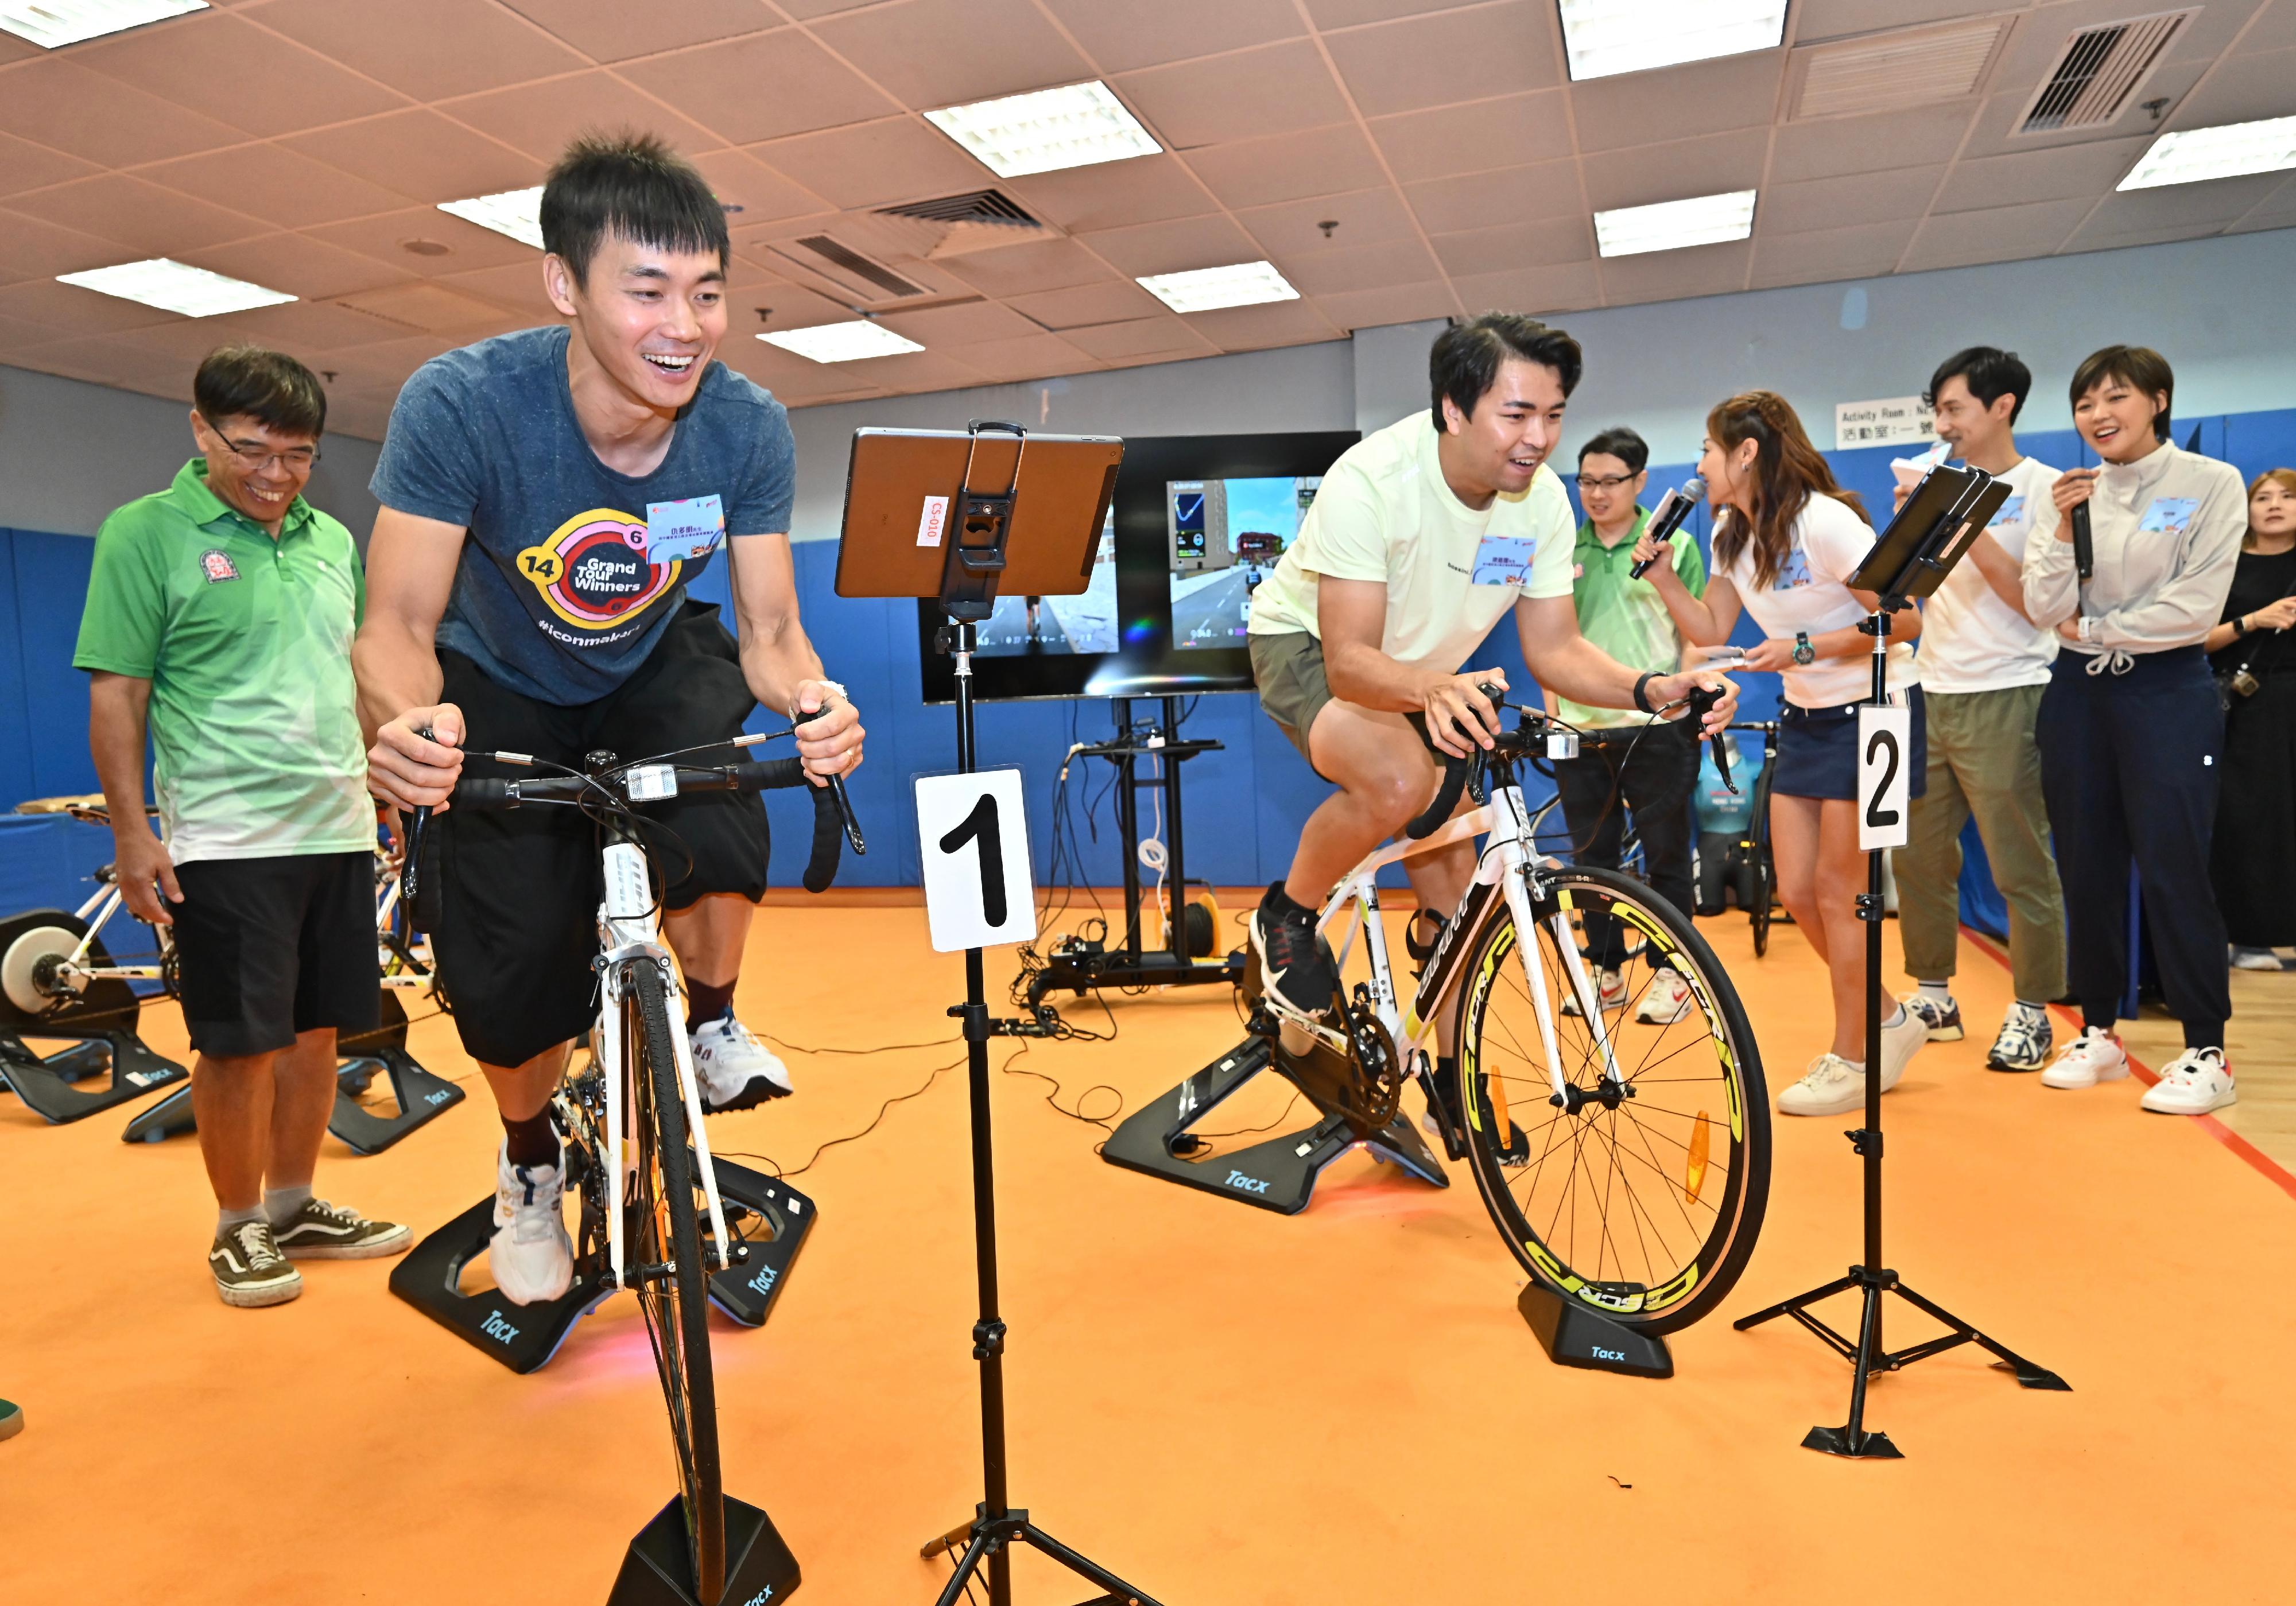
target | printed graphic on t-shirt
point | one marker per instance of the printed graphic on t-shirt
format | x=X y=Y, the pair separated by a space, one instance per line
x=1794 y=571
x=2172 y=515
x=1504 y=560
x=216 y=565
x=2011 y=510
x=595 y=573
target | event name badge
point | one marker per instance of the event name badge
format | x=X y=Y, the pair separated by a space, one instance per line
x=683 y=531
x=2171 y=515
x=1504 y=560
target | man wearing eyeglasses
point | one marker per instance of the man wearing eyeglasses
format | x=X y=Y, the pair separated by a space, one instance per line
x=219 y=617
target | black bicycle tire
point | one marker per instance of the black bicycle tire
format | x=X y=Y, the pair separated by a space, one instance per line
x=1766 y=873
x=701 y=1479
x=1749 y=1177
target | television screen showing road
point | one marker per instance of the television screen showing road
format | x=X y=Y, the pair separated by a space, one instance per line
x=1225 y=537
x=1083 y=623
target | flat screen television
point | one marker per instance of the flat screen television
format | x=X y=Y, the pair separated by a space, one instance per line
x=1195 y=524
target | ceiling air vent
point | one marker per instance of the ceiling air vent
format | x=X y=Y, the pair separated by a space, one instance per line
x=2101 y=71
x=1889 y=71
x=852 y=265
x=979 y=220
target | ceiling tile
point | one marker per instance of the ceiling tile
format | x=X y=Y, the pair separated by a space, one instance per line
x=1366 y=267
x=1396 y=304
x=1449 y=206
x=1289 y=167
x=1146 y=189
x=468 y=246
x=969 y=324
x=1490 y=50
x=1170 y=248
x=789 y=307
x=2089 y=239
x=1018 y=269
x=1162 y=336
x=430 y=307
x=2274 y=27
x=916 y=372
x=1693 y=167
x=542 y=119
x=60 y=104
x=1468 y=139
x=283 y=188
x=516 y=286
x=1993 y=131
x=614 y=30
x=1253 y=328
x=1542 y=290
x=69 y=310
x=429 y=49
x=874 y=164
x=1677 y=102
x=1837 y=18
x=299 y=265
x=1866 y=144
x=1955 y=239
x=1119 y=38
x=2069 y=172
x=1274 y=89
x=1840 y=203
x=1365 y=217
x=156 y=221
x=422 y=154
x=942 y=53
x=18 y=331
x=1513 y=247
x=124 y=365
x=25 y=165
x=301 y=326
x=1031 y=356
x=2220 y=201
x=763 y=195
x=1701 y=270
x=718 y=85
x=2241 y=89
x=219 y=65
x=807 y=10
x=1352 y=13
x=1114 y=302
x=32 y=248
x=1866 y=251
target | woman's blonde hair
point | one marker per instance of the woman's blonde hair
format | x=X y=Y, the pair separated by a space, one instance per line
x=1788 y=470
x=2285 y=479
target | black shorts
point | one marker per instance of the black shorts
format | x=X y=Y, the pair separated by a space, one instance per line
x=270 y=947
x=1817 y=751
x=514 y=920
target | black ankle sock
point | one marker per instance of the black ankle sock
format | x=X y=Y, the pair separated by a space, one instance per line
x=532 y=1142
x=704 y=1003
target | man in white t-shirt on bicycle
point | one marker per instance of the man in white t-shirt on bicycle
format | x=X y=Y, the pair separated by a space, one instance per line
x=1422 y=534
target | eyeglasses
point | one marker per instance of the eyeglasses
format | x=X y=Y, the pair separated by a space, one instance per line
x=254 y=456
x=1601 y=482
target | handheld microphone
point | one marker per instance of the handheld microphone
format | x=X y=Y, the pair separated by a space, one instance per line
x=1673 y=511
x=2084 y=553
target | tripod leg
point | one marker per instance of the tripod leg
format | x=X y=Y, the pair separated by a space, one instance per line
x=2029 y=1374
x=1853 y=1441
x=1787 y=1307
x=966 y=1567
x=1120 y=1593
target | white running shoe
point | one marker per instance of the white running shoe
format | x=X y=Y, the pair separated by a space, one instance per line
x=1900 y=1042
x=2023 y=1043
x=1610 y=993
x=2256 y=959
x=2194 y=1083
x=1667 y=1001
x=736 y=1071
x=2091 y=1058
x=531 y=1255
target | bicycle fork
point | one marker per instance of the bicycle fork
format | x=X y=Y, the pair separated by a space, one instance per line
x=1514 y=860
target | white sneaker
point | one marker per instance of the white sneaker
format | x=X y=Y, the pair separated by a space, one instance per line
x=531 y=1255
x=1831 y=1086
x=1667 y=1001
x=1610 y=993
x=735 y=1069
x=2256 y=959
x=2091 y=1058
x=1899 y=1044
x=2194 y=1083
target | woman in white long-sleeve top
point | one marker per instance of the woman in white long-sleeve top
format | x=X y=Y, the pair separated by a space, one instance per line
x=2130 y=732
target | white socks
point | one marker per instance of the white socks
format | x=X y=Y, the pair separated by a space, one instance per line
x=1942 y=991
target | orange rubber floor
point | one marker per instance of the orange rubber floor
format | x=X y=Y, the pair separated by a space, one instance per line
x=1229 y=1408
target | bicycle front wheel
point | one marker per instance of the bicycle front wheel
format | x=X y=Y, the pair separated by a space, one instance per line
x=1640 y=1188
x=665 y=1257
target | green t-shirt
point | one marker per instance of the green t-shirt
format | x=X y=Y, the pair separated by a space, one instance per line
x=1626 y=617
x=247 y=644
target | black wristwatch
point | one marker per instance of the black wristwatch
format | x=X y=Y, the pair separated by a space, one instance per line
x=1803 y=652
x=1642 y=691
x=2239 y=626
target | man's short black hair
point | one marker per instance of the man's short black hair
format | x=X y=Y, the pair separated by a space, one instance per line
x=1465 y=361
x=1989 y=372
x=2140 y=368
x=241 y=381
x=633 y=185
x=1621 y=443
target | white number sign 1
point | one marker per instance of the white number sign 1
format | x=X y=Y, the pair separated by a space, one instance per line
x=1885 y=746
x=975 y=833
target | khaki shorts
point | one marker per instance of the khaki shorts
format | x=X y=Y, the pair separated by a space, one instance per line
x=1289 y=670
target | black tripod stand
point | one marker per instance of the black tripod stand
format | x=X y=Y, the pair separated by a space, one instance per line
x=1904 y=564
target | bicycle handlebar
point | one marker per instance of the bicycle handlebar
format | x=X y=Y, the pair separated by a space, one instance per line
x=1455 y=772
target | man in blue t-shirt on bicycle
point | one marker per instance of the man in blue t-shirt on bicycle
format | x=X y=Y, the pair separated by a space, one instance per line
x=547 y=496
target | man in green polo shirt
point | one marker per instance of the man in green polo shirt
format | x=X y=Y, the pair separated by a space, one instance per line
x=1628 y=761
x=219 y=614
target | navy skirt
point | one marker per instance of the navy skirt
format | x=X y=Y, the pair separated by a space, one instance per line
x=1817 y=751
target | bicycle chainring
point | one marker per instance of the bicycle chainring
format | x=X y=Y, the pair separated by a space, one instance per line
x=1380 y=1071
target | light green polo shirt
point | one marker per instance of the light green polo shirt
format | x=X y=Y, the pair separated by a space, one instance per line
x=247 y=644
x=1626 y=617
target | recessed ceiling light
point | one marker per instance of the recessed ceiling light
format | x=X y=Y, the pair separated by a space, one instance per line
x=1046 y=130
x=2227 y=151
x=517 y=213
x=1671 y=225
x=1208 y=289
x=1607 y=37
x=842 y=342
x=53 y=23
x=176 y=287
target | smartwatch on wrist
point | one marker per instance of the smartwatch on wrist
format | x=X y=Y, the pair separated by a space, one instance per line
x=1803 y=652
x=2239 y=626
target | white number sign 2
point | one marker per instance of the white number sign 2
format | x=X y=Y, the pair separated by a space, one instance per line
x=975 y=833
x=1885 y=747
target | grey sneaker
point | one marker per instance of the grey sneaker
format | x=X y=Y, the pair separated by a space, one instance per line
x=1943 y=1018
x=248 y=1269
x=321 y=1231
x=2024 y=1042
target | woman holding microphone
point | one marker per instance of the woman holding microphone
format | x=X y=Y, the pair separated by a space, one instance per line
x=2129 y=729
x=1786 y=540
x=2251 y=654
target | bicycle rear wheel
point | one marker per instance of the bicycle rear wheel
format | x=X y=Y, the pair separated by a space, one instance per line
x=1639 y=1192
x=672 y=1278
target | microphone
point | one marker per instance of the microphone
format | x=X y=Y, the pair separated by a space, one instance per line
x=1673 y=511
x=2084 y=553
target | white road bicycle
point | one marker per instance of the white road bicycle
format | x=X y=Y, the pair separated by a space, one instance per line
x=1625 y=1160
